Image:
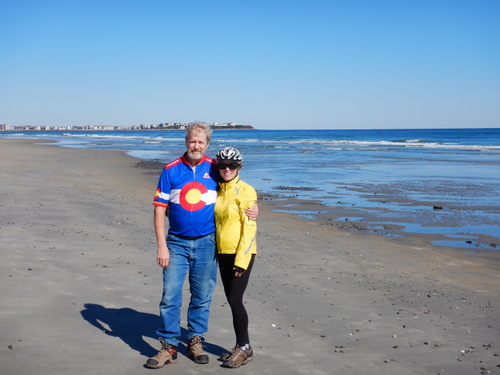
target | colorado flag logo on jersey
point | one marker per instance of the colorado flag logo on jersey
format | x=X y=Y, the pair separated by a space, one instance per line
x=193 y=196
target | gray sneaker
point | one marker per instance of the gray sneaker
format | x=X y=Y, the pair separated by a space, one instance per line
x=166 y=356
x=238 y=357
x=225 y=356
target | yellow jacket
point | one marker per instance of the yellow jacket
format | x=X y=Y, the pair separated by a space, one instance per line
x=235 y=232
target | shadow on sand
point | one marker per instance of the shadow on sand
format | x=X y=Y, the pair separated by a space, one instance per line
x=132 y=326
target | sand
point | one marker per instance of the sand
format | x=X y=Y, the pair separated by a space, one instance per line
x=80 y=287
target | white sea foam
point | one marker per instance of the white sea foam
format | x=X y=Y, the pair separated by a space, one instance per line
x=416 y=143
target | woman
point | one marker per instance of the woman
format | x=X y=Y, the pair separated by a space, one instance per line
x=236 y=245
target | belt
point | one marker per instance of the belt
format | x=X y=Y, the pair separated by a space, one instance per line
x=188 y=237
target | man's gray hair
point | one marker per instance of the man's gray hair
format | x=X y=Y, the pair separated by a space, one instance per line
x=199 y=127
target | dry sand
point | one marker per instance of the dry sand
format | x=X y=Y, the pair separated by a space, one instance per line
x=80 y=287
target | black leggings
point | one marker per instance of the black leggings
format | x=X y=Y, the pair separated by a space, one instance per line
x=234 y=287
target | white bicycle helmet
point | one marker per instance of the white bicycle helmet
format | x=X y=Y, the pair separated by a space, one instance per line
x=229 y=154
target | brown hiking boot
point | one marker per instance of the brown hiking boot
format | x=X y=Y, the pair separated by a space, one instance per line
x=195 y=350
x=166 y=356
x=225 y=356
x=238 y=358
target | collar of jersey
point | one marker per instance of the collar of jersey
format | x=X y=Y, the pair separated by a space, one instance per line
x=204 y=158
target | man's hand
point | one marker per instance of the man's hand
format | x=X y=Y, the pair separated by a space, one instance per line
x=163 y=256
x=253 y=212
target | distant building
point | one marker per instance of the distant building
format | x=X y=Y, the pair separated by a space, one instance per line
x=165 y=126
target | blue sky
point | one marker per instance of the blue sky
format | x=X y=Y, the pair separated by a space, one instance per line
x=272 y=64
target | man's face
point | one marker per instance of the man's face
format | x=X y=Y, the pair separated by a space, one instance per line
x=197 y=146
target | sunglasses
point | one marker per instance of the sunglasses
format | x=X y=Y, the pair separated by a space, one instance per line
x=231 y=166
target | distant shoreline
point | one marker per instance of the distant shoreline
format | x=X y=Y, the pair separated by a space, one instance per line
x=237 y=127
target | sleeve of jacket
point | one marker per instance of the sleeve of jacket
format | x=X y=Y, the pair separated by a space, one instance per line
x=247 y=245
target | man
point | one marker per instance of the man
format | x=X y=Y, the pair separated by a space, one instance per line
x=187 y=186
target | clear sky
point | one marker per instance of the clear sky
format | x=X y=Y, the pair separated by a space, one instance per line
x=273 y=64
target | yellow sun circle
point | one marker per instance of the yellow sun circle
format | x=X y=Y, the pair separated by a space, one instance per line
x=193 y=196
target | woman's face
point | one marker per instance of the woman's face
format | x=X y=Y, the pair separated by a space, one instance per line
x=228 y=170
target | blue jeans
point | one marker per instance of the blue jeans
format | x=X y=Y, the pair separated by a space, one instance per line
x=199 y=258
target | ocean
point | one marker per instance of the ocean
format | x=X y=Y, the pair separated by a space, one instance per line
x=443 y=183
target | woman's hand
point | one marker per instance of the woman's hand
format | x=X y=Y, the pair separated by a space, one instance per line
x=238 y=271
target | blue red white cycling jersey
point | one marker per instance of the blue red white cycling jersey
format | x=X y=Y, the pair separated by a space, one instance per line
x=190 y=195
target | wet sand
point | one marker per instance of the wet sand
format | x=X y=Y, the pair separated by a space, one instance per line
x=80 y=287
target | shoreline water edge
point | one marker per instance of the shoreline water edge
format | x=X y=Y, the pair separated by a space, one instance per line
x=440 y=184
x=80 y=285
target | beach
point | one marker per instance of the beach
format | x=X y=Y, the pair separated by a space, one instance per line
x=80 y=286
